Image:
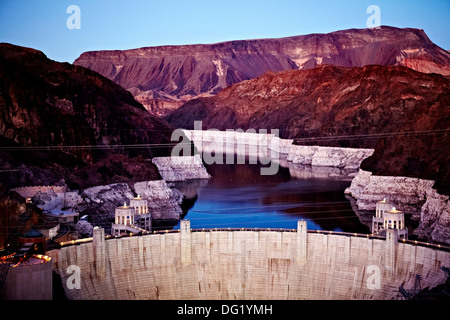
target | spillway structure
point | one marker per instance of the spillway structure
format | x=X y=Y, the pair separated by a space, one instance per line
x=265 y=264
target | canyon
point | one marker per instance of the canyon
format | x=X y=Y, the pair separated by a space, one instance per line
x=383 y=92
x=61 y=121
x=400 y=113
x=370 y=104
x=165 y=77
x=416 y=197
x=67 y=126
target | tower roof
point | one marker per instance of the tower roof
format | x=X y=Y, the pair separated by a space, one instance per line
x=125 y=206
x=393 y=210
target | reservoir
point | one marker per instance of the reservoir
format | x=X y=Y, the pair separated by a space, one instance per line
x=238 y=196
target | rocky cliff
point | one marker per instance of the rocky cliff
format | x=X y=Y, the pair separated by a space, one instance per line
x=163 y=78
x=412 y=195
x=57 y=119
x=343 y=158
x=101 y=201
x=181 y=168
x=401 y=113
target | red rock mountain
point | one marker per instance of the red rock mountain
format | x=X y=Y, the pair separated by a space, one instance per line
x=163 y=78
x=59 y=120
x=402 y=113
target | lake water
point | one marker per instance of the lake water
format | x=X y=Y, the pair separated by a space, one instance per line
x=238 y=196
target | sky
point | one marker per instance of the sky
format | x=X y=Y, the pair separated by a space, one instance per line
x=119 y=25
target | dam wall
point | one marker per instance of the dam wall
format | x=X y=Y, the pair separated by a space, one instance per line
x=247 y=264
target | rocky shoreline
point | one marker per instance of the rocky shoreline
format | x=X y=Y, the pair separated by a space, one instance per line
x=412 y=195
x=181 y=168
x=270 y=145
x=416 y=197
x=346 y=158
x=99 y=202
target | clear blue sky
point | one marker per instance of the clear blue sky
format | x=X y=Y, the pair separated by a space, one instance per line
x=126 y=24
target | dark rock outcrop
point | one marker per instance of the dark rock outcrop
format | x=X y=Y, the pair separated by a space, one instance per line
x=56 y=119
x=163 y=78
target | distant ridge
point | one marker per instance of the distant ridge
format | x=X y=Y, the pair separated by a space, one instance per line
x=163 y=78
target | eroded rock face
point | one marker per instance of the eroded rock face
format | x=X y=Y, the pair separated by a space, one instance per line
x=401 y=113
x=412 y=195
x=61 y=121
x=100 y=202
x=181 y=168
x=16 y=217
x=435 y=218
x=408 y=194
x=46 y=103
x=163 y=78
x=164 y=202
x=344 y=158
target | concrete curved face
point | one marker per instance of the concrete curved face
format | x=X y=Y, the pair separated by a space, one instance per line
x=247 y=265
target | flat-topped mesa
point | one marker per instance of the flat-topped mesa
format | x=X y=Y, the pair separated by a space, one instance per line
x=164 y=77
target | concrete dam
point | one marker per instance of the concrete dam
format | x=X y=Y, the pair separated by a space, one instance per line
x=247 y=264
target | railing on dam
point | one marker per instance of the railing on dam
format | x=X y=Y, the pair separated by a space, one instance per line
x=339 y=233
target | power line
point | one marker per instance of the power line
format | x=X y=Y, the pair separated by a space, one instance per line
x=170 y=144
x=116 y=146
x=375 y=135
